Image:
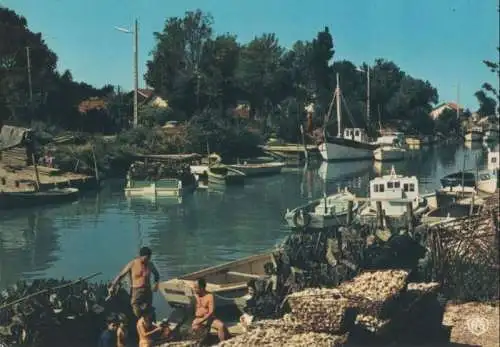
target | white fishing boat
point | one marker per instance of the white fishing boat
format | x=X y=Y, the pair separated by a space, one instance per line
x=350 y=143
x=326 y=212
x=389 y=153
x=474 y=134
x=395 y=192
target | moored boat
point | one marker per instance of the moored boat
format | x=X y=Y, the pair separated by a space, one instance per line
x=326 y=212
x=223 y=174
x=227 y=282
x=164 y=176
x=395 y=193
x=21 y=199
x=494 y=159
x=466 y=179
x=349 y=144
x=259 y=168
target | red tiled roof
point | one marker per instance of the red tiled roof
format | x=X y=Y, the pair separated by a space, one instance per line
x=146 y=93
x=92 y=104
x=453 y=105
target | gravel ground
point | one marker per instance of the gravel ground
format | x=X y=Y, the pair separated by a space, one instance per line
x=474 y=324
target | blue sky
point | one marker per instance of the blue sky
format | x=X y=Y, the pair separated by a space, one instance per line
x=443 y=41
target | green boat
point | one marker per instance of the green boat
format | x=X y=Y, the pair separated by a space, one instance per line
x=222 y=174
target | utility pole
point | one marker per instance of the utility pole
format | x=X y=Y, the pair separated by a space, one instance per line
x=458 y=100
x=136 y=71
x=28 y=61
x=368 y=95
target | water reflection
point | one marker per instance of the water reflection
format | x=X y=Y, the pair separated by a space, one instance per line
x=101 y=232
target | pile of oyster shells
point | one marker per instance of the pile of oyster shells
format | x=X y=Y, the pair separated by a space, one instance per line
x=75 y=312
x=271 y=337
x=322 y=311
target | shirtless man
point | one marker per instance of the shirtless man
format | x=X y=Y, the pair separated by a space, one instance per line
x=204 y=311
x=139 y=270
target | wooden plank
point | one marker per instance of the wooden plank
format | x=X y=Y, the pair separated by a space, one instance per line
x=242 y=274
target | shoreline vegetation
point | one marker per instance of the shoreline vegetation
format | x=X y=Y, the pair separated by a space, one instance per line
x=224 y=95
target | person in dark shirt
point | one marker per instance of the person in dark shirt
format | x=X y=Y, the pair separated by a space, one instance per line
x=108 y=336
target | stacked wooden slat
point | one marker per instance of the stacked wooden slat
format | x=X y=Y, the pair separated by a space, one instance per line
x=17 y=156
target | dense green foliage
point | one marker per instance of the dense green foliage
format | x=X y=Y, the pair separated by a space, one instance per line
x=489 y=96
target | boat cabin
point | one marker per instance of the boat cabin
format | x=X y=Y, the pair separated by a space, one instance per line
x=476 y=129
x=394 y=191
x=356 y=134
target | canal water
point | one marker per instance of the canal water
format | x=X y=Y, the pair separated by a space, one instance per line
x=103 y=231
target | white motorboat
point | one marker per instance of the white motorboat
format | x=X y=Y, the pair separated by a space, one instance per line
x=394 y=192
x=350 y=144
x=326 y=212
x=487 y=182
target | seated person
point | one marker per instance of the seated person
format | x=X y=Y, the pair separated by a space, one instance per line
x=251 y=304
x=145 y=327
x=121 y=332
x=204 y=311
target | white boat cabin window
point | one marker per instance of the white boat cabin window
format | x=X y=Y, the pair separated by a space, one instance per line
x=494 y=160
x=409 y=187
x=484 y=177
x=378 y=188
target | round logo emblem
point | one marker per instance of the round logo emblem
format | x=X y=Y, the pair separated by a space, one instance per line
x=477 y=325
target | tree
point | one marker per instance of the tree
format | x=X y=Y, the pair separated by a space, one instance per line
x=175 y=69
x=447 y=122
x=260 y=73
x=487 y=104
x=15 y=37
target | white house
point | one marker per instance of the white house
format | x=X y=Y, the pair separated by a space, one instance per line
x=439 y=109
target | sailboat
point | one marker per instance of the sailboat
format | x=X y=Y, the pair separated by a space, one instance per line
x=351 y=144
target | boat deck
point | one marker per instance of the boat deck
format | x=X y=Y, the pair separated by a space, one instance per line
x=48 y=179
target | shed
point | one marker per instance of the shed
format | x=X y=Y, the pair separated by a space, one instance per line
x=17 y=145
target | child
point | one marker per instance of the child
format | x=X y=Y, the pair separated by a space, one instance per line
x=121 y=333
x=108 y=336
x=146 y=328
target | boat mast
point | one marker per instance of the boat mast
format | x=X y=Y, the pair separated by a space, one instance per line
x=339 y=116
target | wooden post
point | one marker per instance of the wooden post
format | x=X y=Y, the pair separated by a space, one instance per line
x=380 y=215
x=95 y=165
x=409 y=214
x=37 y=176
x=306 y=155
x=471 y=209
x=350 y=205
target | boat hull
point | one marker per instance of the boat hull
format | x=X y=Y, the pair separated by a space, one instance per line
x=12 y=200
x=343 y=149
x=488 y=186
x=318 y=221
x=154 y=189
x=389 y=154
x=255 y=170
x=227 y=282
x=226 y=176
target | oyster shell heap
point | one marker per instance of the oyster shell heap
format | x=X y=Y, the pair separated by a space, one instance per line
x=376 y=286
x=180 y=344
x=267 y=337
x=320 y=310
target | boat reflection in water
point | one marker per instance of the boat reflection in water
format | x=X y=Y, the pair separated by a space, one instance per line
x=381 y=168
x=473 y=145
x=341 y=170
